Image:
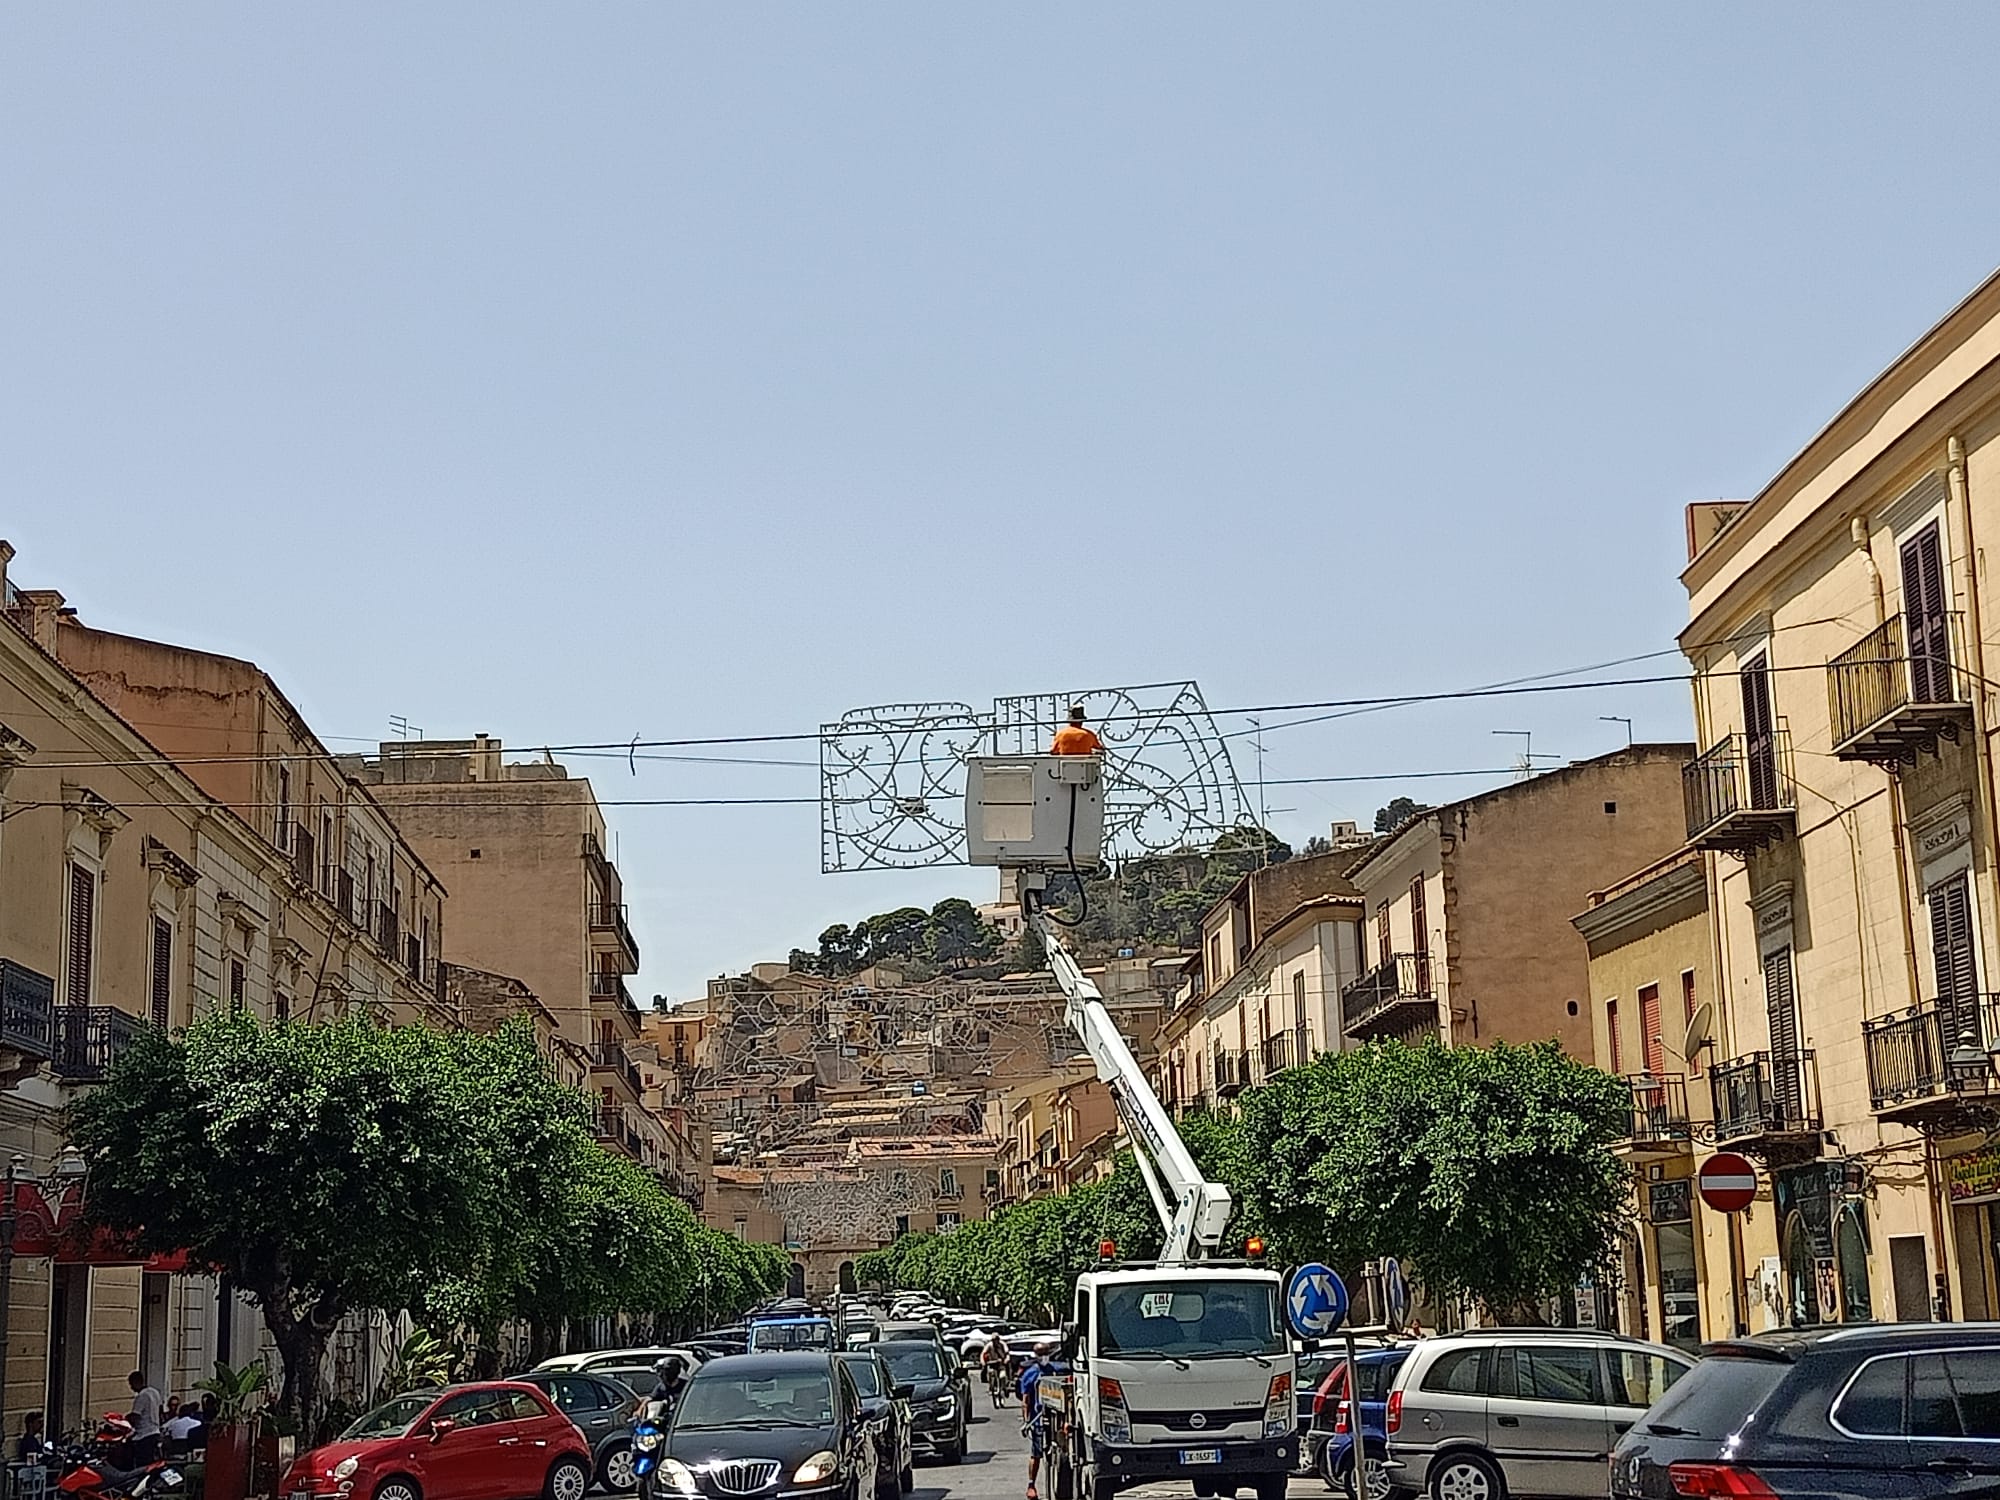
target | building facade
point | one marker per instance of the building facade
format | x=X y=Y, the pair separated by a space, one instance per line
x=535 y=895
x=1468 y=906
x=1842 y=639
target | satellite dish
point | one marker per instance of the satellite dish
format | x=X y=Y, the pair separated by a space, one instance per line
x=1701 y=1025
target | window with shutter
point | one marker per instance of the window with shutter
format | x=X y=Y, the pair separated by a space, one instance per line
x=284 y=838
x=1925 y=636
x=1617 y=1042
x=1382 y=952
x=1760 y=746
x=1954 y=960
x=1781 y=1006
x=1650 y=1034
x=82 y=935
x=236 y=982
x=1688 y=1008
x=163 y=971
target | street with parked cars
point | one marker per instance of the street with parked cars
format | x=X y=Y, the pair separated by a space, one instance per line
x=866 y=1402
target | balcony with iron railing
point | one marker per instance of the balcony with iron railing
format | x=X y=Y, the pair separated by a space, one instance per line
x=1659 y=1116
x=89 y=1039
x=1231 y=1077
x=1393 y=999
x=611 y=1058
x=1888 y=700
x=609 y=926
x=27 y=1012
x=1910 y=1055
x=1765 y=1098
x=1739 y=794
x=610 y=989
x=1274 y=1055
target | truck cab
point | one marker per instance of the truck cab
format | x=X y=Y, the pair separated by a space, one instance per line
x=769 y=1335
x=1175 y=1372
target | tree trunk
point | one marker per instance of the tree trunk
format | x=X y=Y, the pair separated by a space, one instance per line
x=301 y=1340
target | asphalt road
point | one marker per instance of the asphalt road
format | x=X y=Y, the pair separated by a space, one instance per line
x=996 y=1467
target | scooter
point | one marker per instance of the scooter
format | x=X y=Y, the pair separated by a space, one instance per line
x=89 y=1474
x=649 y=1437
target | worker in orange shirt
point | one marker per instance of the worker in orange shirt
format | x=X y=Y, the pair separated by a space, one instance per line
x=1073 y=738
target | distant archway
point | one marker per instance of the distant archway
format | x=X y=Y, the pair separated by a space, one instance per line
x=847 y=1277
x=795 y=1280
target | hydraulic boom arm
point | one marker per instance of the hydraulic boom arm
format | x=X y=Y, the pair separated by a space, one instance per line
x=1193 y=1211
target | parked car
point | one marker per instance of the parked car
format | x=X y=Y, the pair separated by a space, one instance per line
x=1326 y=1440
x=494 y=1440
x=751 y=1423
x=938 y=1418
x=1515 y=1411
x=603 y=1410
x=887 y=1405
x=1909 y=1410
x=625 y=1359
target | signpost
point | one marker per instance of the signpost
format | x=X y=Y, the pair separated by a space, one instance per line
x=1395 y=1295
x=1727 y=1182
x=1316 y=1306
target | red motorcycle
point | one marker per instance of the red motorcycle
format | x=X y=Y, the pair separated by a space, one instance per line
x=90 y=1473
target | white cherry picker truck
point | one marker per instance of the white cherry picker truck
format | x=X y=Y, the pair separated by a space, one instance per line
x=1180 y=1368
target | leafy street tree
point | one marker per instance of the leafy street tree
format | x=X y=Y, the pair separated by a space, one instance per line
x=955 y=935
x=334 y=1167
x=1399 y=811
x=1489 y=1168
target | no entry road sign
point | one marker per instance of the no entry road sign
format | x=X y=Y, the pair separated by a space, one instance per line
x=1727 y=1182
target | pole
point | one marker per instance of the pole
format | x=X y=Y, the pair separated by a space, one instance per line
x=1357 y=1437
x=8 y=1224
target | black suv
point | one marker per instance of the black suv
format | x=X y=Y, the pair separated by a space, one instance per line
x=1903 y=1411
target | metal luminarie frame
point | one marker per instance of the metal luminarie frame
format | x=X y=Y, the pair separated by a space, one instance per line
x=892 y=778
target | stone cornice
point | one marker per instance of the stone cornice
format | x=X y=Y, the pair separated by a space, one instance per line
x=1664 y=891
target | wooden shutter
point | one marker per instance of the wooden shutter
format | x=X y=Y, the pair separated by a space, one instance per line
x=236 y=982
x=1382 y=953
x=163 y=971
x=1782 y=1007
x=1299 y=1005
x=1924 y=634
x=1688 y=1008
x=1759 y=741
x=1650 y=1034
x=1617 y=1045
x=82 y=933
x=1955 y=964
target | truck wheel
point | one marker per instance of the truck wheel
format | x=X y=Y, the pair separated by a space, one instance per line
x=1091 y=1487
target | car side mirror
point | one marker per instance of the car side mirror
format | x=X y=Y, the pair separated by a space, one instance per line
x=440 y=1426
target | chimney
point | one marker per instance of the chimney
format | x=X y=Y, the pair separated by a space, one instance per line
x=37 y=612
x=6 y=556
x=485 y=757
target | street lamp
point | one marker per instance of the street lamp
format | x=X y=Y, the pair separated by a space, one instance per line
x=1970 y=1069
x=70 y=1171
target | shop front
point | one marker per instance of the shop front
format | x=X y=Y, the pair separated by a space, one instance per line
x=1972 y=1187
x=1823 y=1243
x=1674 y=1258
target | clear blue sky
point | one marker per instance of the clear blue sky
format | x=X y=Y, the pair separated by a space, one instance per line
x=573 y=373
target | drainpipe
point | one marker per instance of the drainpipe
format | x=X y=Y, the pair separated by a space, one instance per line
x=1982 y=751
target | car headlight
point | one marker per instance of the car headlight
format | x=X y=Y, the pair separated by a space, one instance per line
x=344 y=1468
x=817 y=1469
x=947 y=1404
x=646 y=1440
x=677 y=1476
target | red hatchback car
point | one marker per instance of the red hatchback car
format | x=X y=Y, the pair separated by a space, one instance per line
x=497 y=1440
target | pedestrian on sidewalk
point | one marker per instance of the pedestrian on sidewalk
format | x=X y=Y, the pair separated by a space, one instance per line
x=148 y=1406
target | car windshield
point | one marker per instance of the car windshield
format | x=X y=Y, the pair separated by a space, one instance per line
x=795 y=1398
x=910 y=1363
x=1190 y=1319
x=867 y=1376
x=792 y=1336
x=390 y=1419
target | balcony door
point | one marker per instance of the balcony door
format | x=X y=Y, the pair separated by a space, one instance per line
x=1781 y=1003
x=1760 y=745
x=1924 y=618
x=1955 y=961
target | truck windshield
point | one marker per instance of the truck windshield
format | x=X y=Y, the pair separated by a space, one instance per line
x=813 y=1335
x=1186 y=1319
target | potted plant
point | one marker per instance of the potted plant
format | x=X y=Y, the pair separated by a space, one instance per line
x=237 y=1392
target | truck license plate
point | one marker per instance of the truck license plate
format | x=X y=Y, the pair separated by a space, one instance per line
x=1201 y=1455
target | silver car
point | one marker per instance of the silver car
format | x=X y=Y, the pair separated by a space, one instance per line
x=1516 y=1411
